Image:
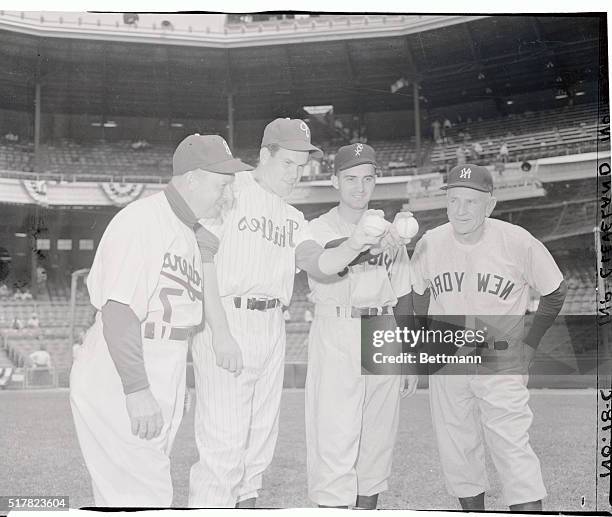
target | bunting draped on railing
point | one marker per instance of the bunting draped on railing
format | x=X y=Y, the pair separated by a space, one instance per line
x=37 y=190
x=120 y=194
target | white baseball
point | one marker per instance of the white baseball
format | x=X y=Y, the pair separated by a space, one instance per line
x=407 y=227
x=374 y=225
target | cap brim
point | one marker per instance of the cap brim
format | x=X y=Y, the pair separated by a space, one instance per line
x=231 y=166
x=466 y=185
x=355 y=164
x=300 y=145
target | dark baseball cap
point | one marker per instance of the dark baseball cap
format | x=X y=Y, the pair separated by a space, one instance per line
x=352 y=155
x=471 y=176
x=207 y=152
x=291 y=134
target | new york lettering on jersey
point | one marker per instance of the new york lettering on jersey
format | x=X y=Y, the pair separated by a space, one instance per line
x=483 y=283
x=473 y=279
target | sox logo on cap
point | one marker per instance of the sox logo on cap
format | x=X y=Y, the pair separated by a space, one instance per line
x=305 y=128
x=358 y=149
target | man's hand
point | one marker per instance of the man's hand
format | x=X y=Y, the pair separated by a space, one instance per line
x=408 y=385
x=360 y=240
x=228 y=353
x=389 y=240
x=145 y=414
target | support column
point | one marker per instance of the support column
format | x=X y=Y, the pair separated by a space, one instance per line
x=37 y=115
x=37 y=168
x=417 y=120
x=230 y=120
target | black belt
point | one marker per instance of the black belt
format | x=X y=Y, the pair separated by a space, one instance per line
x=358 y=312
x=497 y=345
x=167 y=332
x=255 y=304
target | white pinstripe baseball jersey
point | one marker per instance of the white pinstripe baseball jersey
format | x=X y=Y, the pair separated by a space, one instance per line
x=257 y=252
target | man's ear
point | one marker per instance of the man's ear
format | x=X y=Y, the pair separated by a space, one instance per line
x=334 y=181
x=191 y=181
x=491 y=205
x=264 y=155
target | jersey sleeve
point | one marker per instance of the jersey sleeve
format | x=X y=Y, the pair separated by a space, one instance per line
x=418 y=266
x=541 y=270
x=303 y=232
x=128 y=261
x=400 y=273
x=321 y=232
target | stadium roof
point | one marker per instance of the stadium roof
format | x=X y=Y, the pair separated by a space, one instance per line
x=213 y=30
x=483 y=59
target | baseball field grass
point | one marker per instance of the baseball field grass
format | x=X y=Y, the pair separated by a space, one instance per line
x=41 y=456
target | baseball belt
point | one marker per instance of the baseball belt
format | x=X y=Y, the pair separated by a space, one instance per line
x=256 y=304
x=352 y=312
x=495 y=345
x=154 y=330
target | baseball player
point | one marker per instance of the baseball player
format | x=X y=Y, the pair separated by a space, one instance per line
x=351 y=419
x=263 y=240
x=477 y=266
x=128 y=382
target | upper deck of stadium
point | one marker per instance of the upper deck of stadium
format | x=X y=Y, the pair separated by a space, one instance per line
x=220 y=30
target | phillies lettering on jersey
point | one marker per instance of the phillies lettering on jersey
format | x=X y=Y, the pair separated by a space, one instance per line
x=486 y=283
x=258 y=240
x=277 y=234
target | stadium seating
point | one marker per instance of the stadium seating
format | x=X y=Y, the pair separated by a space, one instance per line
x=569 y=130
x=529 y=136
x=50 y=314
x=16 y=157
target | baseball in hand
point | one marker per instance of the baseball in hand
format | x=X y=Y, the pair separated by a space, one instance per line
x=407 y=226
x=374 y=225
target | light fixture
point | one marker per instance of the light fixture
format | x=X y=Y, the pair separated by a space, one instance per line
x=509 y=103
x=399 y=84
x=580 y=94
x=110 y=123
x=176 y=124
x=19 y=234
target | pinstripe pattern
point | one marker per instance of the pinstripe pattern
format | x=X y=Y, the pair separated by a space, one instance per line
x=236 y=423
x=237 y=417
x=256 y=256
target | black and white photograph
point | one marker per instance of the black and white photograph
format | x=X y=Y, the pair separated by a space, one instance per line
x=287 y=259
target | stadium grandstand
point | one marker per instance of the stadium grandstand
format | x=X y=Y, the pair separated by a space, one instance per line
x=92 y=106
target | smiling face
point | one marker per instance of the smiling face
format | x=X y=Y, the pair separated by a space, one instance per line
x=280 y=169
x=356 y=185
x=467 y=210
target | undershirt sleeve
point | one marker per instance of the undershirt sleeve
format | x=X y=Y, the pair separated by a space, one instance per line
x=121 y=330
x=548 y=310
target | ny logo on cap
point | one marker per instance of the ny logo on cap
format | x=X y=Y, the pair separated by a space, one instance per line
x=358 y=149
x=465 y=173
x=227 y=149
x=304 y=128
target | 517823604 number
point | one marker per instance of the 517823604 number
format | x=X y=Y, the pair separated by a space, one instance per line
x=605 y=419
